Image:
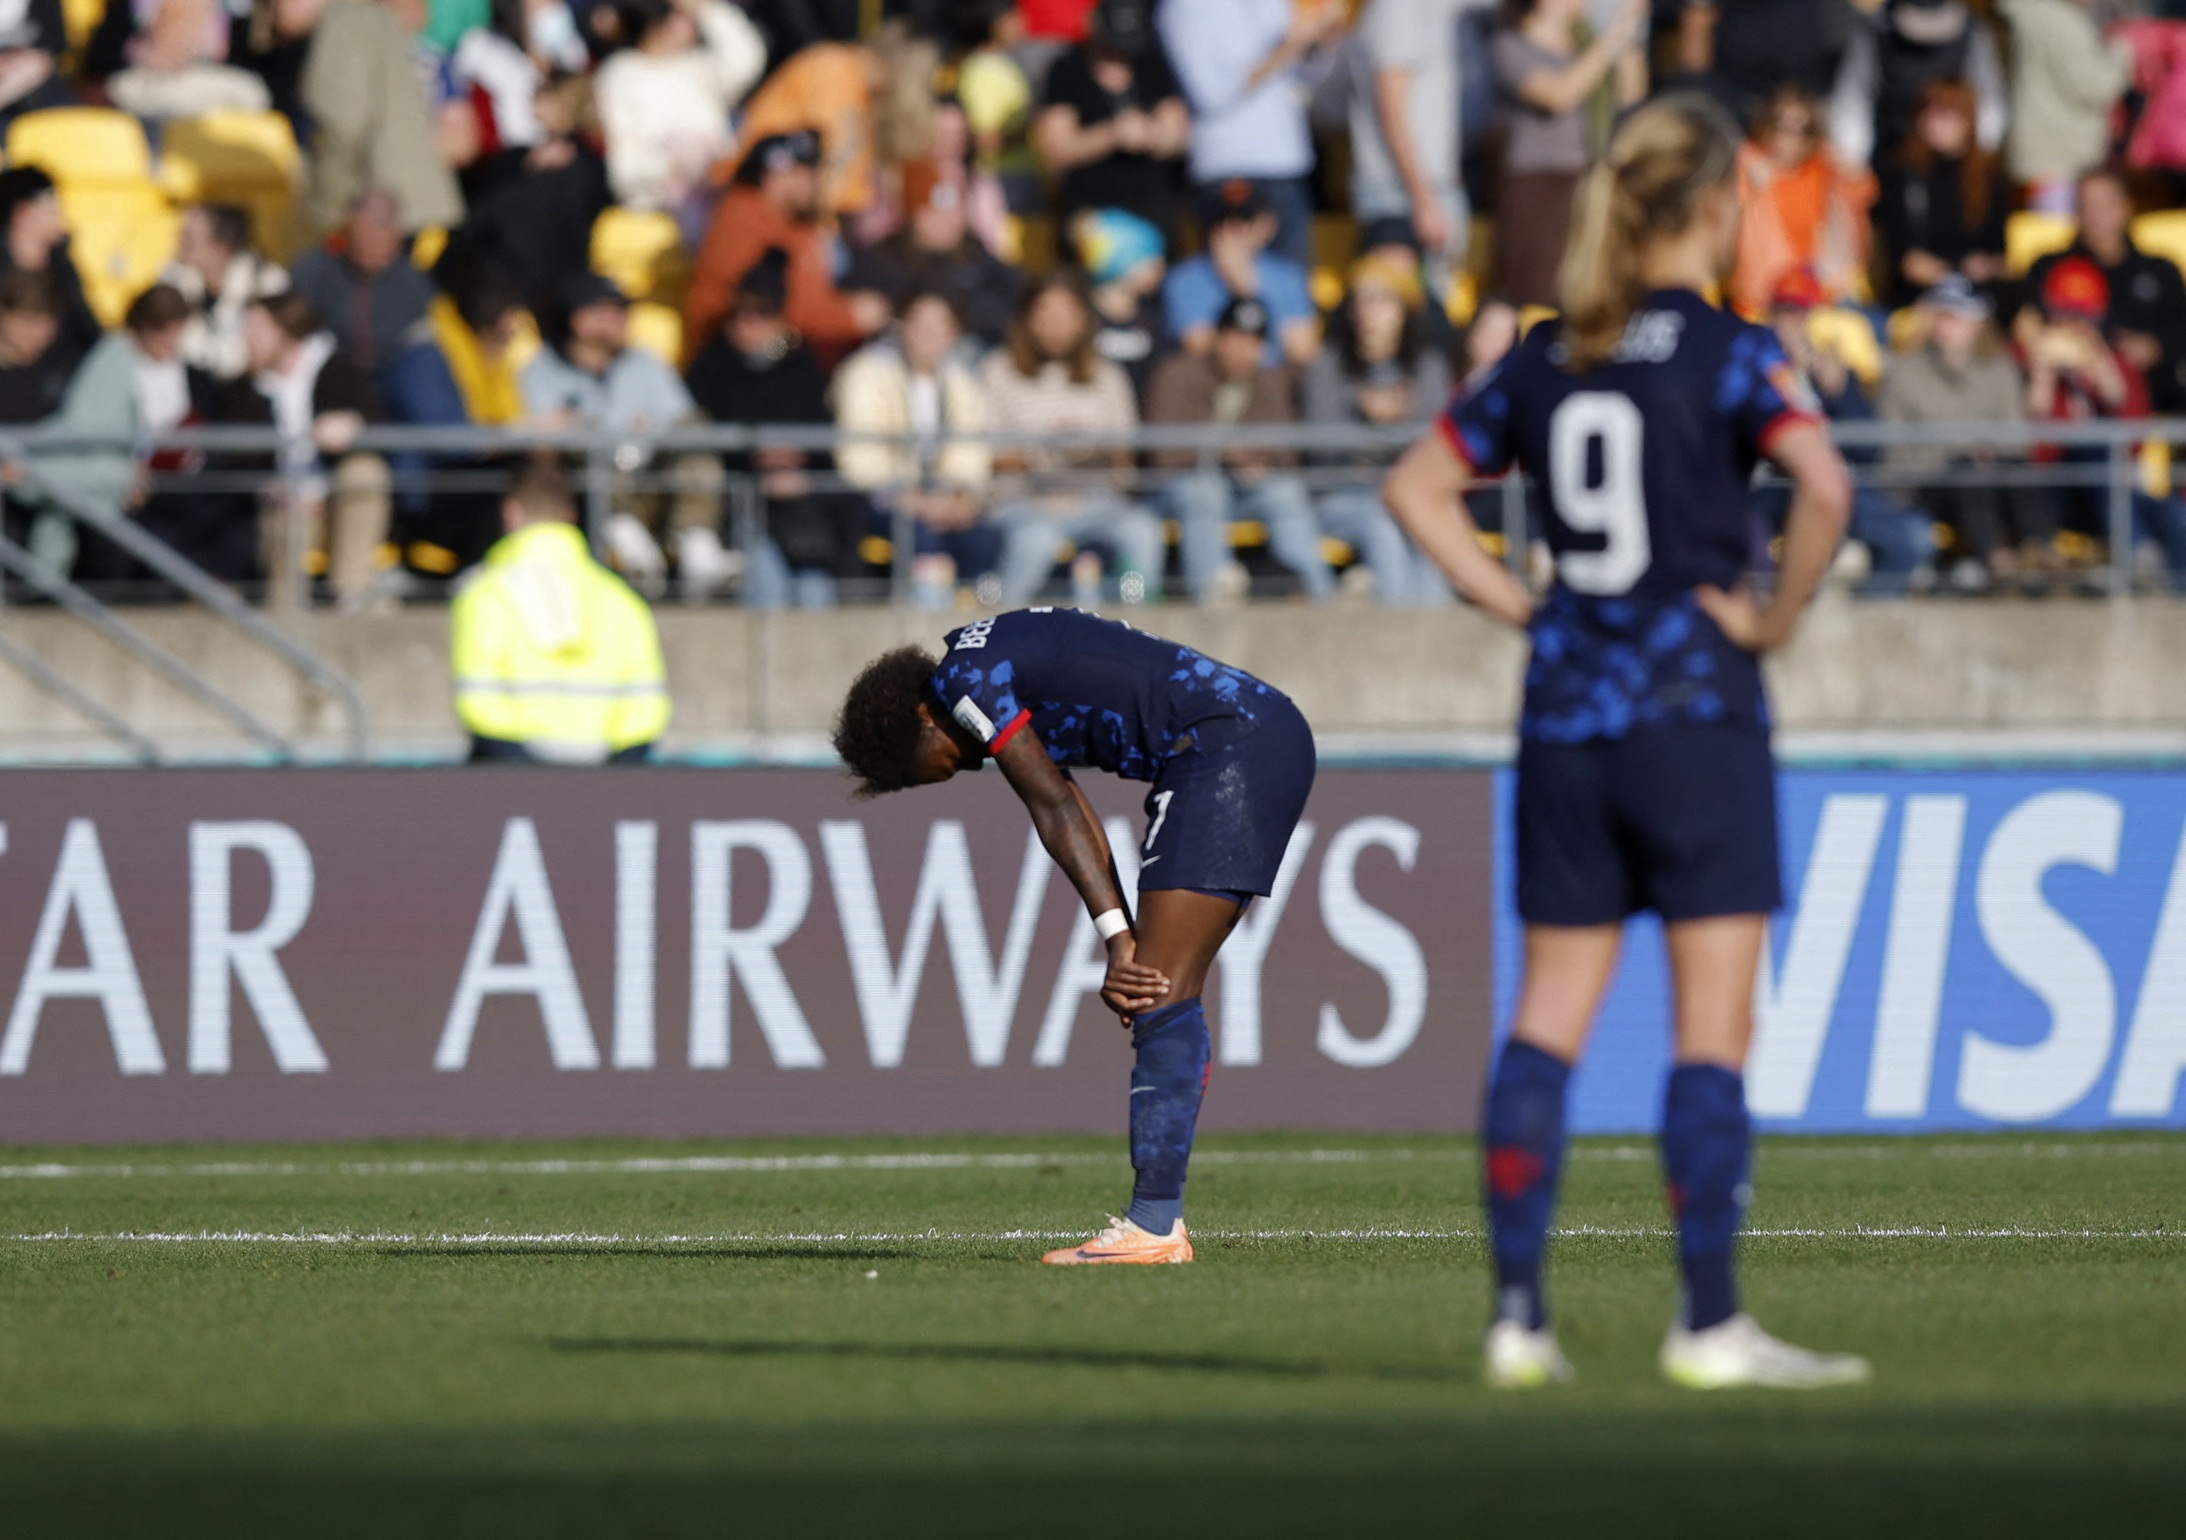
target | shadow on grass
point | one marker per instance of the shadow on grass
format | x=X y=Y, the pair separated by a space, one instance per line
x=744 y=1251
x=999 y=1353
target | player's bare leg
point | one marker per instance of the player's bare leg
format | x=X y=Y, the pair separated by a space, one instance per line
x=1568 y=969
x=1707 y=1145
x=1179 y=932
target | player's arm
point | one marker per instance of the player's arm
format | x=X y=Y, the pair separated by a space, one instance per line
x=1426 y=492
x=1821 y=510
x=1072 y=835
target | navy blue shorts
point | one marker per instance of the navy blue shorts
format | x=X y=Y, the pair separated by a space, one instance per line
x=1679 y=820
x=1220 y=818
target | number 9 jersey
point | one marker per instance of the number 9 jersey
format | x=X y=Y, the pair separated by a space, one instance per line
x=1645 y=463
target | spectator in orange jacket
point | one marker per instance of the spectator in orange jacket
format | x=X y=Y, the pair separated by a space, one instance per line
x=775 y=205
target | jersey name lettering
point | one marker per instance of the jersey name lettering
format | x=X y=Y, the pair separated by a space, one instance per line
x=974 y=635
x=1651 y=337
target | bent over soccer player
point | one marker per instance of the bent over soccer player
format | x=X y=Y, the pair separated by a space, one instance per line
x=1042 y=692
x=1645 y=779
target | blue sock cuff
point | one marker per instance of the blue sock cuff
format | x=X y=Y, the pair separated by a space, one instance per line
x=1151 y=1024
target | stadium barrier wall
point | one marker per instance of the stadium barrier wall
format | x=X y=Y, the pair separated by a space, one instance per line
x=1962 y=949
x=511 y=952
x=249 y=954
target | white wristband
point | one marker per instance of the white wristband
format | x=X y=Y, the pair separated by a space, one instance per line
x=1112 y=924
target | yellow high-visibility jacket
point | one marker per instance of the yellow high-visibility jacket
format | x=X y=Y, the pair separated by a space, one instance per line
x=553 y=651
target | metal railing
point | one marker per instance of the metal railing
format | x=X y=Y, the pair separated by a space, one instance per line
x=63 y=497
x=2105 y=457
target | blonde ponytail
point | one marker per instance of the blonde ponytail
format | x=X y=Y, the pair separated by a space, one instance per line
x=1648 y=183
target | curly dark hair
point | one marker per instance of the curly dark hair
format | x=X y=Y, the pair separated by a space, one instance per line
x=877 y=734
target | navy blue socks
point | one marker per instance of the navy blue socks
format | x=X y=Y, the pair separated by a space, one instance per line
x=1707 y=1152
x=1524 y=1142
x=1168 y=1082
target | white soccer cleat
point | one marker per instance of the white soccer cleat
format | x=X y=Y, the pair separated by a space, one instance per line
x=1738 y=1352
x=1520 y=1359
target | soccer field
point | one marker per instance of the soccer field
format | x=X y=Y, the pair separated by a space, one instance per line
x=792 y=1338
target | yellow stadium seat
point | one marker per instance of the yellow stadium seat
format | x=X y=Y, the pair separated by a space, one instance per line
x=2163 y=235
x=122 y=237
x=81 y=144
x=643 y=253
x=659 y=330
x=1335 y=241
x=1328 y=290
x=248 y=159
x=1034 y=242
x=2030 y=236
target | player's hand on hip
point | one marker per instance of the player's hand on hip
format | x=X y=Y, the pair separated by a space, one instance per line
x=1747 y=623
x=1131 y=986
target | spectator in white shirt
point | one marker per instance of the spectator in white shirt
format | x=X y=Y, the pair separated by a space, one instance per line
x=665 y=103
x=1241 y=63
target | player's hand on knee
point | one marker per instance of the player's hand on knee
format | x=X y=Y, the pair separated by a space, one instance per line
x=1131 y=986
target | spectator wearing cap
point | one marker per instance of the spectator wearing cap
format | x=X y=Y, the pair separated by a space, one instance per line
x=1112 y=124
x=1405 y=128
x=665 y=102
x=2146 y=316
x=34 y=239
x=1242 y=64
x=1835 y=350
x=935 y=251
x=1896 y=54
x=1232 y=384
x=371 y=126
x=2065 y=79
x=2075 y=374
x=1546 y=79
x=1380 y=369
x=775 y=205
x=1239 y=264
x=1956 y=369
x=1122 y=256
x=834 y=91
x=1051 y=380
x=1944 y=199
x=1798 y=207
x=589 y=379
x=918 y=414
x=216 y=270
x=757 y=371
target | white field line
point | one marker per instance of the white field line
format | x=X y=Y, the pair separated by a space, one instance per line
x=666 y=1165
x=609 y=1240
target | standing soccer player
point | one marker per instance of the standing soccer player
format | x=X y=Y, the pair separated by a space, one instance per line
x=1645 y=779
x=1041 y=692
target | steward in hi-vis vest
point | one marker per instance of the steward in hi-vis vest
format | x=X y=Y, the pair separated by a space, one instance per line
x=556 y=660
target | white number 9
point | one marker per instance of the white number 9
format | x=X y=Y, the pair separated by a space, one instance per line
x=1616 y=506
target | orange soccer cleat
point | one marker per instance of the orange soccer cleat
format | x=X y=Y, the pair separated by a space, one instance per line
x=1124 y=1241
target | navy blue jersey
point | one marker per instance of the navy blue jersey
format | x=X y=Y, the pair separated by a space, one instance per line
x=1645 y=462
x=1097 y=693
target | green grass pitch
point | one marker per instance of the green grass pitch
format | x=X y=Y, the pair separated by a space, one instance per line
x=666 y=1340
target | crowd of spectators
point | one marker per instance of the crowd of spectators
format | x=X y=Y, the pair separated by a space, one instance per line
x=1062 y=218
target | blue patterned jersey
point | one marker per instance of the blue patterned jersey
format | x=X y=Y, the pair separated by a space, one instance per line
x=1096 y=693
x=1645 y=462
